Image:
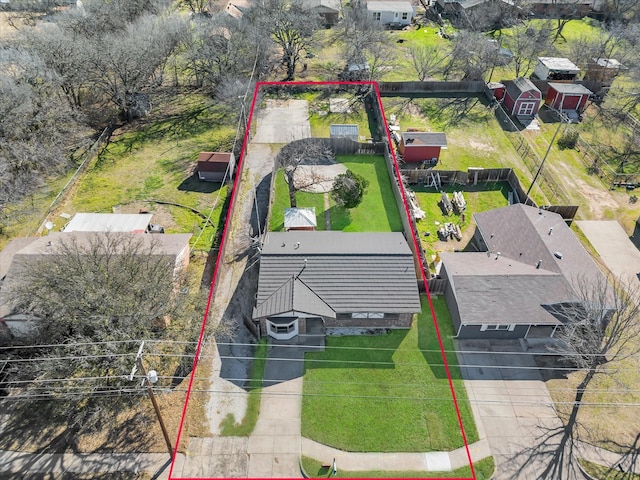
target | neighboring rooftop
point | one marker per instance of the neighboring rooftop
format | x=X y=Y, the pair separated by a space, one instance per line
x=213 y=161
x=528 y=235
x=343 y=130
x=519 y=86
x=427 y=139
x=570 y=88
x=389 y=6
x=559 y=63
x=109 y=222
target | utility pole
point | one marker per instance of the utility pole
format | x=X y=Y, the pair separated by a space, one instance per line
x=544 y=159
x=151 y=378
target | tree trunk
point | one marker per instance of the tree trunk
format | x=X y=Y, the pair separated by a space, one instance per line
x=292 y=191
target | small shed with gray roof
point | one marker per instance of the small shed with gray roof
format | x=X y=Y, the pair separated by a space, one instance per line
x=317 y=282
x=350 y=131
x=528 y=265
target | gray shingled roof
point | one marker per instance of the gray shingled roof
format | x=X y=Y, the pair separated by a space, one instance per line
x=509 y=285
x=430 y=139
x=351 y=272
x=521 y=232
x=520 y=85
x=500 y=290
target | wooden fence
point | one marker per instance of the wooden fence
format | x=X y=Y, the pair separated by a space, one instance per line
x=470 y=88
x=436 y=285
x=552 y=189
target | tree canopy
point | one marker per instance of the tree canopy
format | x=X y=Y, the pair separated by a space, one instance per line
x=349 y=189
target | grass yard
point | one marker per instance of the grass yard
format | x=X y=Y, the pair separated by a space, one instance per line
x=155 y=162
x=378 y=211
x=386 y=393
x=474 y=135
x=479 y=198
x=483 y=469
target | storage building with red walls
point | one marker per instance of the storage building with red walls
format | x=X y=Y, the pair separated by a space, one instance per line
x=567 y=97
x=420 y=146
x=522 y=98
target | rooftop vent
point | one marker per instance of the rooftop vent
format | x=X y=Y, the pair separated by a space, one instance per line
x=538 y=263
x=557 y=254
x=550 y=230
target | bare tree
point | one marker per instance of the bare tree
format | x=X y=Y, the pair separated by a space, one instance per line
x=292 y=156
x=472 y=57
x=124 y=66
x=601 y=328
x=37 y=127
x=527 y=42
x=365 y=43
x=198 y=7
x=426 y=61
x=291 y=28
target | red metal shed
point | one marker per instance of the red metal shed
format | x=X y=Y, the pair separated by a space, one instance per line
x=420 y=146
x=522 y=98
x=567 y=96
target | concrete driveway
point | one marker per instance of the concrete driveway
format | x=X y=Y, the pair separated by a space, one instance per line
x=509 y=400
x=282 y=121
x=612 y=243
x=274 y=448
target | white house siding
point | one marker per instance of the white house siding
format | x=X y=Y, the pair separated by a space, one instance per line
x=391 y=13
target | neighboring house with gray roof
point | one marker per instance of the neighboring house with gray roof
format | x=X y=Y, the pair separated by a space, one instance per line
x=317 y=282
x=528 y=267
x=328 y=10
x=21 y=252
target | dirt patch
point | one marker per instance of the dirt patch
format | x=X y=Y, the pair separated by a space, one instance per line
x=485 y=147
x=317 y=178
x=161 y=214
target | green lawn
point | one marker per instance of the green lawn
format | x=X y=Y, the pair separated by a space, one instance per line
x=386 y=393
x=254 y=386
x=479 y=198
x=155 y=162
x=483 y=469
x=378 y=211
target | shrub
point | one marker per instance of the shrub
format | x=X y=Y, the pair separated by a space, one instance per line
x=569 y=139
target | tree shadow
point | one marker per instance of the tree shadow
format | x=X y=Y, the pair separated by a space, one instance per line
x=340 y=217
x=260 y=207
x=635 y=236
x=194 y=184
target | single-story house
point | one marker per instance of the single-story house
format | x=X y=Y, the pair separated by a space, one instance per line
x=422 y=146
x=528 y=264
x=567 y=97
x=522 y=98
x=332 y=281
x=109 y=222
x=555 y=68
x=394 y=13
x=328 y=10
x=603 y=70
x=350 y=131
x=213 y=166
x=20 y=252
x=300 y=219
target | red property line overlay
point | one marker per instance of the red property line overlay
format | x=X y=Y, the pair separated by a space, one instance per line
x=223 y=242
